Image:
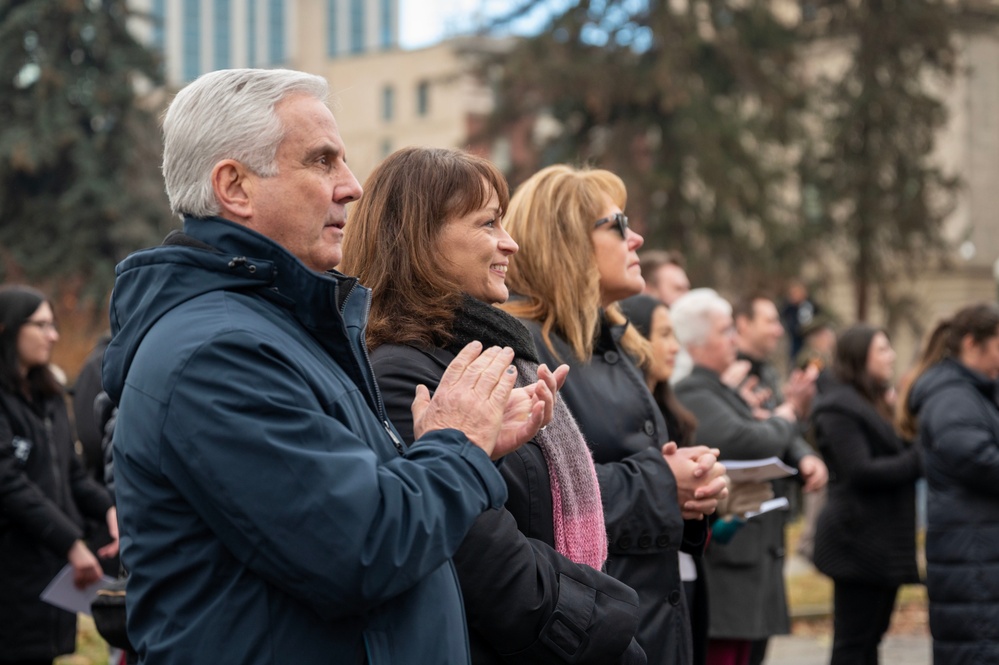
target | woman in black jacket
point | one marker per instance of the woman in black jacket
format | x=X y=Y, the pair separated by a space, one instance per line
x=865 y=537
x=44 y=491
x=652 y=319
x=951 y=410
x=428 y=239
x=578 y=258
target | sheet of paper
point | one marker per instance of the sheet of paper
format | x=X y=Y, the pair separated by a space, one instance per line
x=757 y=470
x=780 y=503
x=62 y=593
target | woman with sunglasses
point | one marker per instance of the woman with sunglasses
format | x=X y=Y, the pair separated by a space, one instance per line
x=44 y=491
x=578 y=258
x=529 y=573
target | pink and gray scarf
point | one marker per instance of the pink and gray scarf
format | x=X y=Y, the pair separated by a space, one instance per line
x=577 y=513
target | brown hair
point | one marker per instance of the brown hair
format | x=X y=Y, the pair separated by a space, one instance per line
x=850 y=365
x=651 y=260
x=745 y=307
x=980 y=321
x=392 y=235
x=551 y=216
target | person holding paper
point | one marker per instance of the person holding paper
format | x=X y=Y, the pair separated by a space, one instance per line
x=745 y=577
x=45 y=493
x=865 y=537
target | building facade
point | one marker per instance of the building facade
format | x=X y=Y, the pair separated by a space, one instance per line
x=198 y=36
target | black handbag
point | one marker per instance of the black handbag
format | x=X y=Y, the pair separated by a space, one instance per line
x=108 y=610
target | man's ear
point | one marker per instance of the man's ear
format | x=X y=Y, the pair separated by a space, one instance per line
x=233 y=187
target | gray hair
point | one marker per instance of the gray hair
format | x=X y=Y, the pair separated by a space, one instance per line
x=693 y=312
x=226 y=114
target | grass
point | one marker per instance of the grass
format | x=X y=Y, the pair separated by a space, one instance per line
x=90 y=648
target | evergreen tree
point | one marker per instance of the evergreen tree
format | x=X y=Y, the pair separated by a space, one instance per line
x=693 y=103
x=872 y=176
x=79 y=181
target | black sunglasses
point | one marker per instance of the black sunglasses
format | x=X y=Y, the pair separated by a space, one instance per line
x=619 y=220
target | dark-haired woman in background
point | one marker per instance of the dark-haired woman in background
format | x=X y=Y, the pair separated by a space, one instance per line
x=428 y=239
x=652 y=319
x=865 y=537
x=951 y=409
x=44 y=491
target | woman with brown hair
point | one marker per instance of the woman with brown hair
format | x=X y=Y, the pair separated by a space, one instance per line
x=428 y=239
x=865 y=537
x=578 y=258
x=950 y=409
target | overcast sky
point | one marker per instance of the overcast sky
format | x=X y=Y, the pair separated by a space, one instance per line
x=425 y=22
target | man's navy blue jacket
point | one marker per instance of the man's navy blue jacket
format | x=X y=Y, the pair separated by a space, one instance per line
x=267 y=514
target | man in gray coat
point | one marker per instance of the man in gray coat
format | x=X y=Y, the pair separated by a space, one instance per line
x=744 y=576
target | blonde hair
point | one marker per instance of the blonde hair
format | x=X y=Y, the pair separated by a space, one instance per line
x=551 y=217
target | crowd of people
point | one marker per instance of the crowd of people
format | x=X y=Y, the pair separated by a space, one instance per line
x=469 y=426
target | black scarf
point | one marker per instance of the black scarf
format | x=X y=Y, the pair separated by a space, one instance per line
x=475 y=320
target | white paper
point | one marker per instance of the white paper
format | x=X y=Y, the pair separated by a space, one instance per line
x=62 y=593
x=757 y=470
x=780 y=503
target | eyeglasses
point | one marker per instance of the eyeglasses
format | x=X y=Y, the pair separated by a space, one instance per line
x=45 y=326
x=619 y=220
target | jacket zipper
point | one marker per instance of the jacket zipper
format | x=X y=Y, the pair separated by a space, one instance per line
x=379 y=405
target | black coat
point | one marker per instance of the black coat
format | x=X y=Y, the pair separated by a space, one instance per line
x=959 y=435
x=867 y=531
x=44 y=495
x=520 y=594
x=625 y=428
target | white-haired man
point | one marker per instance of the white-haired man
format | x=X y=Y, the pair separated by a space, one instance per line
x=745 y=576
x=269 y=511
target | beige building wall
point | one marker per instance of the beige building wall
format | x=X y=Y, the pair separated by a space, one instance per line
x=969 y=148
x=376 y=99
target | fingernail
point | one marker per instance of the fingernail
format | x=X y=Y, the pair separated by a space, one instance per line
x=510 y=370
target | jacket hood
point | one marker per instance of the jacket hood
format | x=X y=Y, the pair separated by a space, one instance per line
x=945 y=373
x=211 y=254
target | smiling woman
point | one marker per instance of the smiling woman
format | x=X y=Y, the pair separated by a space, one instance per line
x=429 y=239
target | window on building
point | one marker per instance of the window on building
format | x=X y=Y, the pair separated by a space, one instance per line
x=251 y=33
x=357 y=26
x=422 y=98
x=223 y=33
x=386 y=148
x=386 y=24
x=191 y=50
x=275 y=39
x=388 y=103
x=332 y=25
x=159 y=24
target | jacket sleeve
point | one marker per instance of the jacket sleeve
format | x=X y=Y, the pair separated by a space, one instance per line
x=530 y=603
x=845 y=441
x=298 y=493
x=533 y=605
x=737 y=437
x=961 y=440
x=639 y=499
x=23 y=503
